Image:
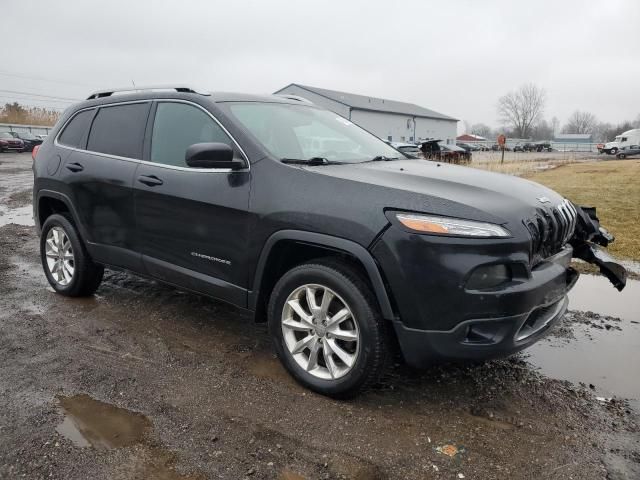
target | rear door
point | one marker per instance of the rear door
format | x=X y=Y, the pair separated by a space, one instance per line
x=192 y=222
x=100 y=174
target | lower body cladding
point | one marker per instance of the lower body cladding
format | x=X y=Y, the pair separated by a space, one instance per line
x=447 y=313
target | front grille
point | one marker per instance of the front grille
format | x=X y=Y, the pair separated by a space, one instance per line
x=551 y=229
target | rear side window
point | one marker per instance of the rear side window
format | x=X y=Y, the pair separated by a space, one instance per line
x=119 y=130
x=74 y=134
x=176 y=127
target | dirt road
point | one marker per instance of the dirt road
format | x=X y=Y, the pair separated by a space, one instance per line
x=144 y=381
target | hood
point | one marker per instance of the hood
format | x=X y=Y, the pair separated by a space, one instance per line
x=452 y=190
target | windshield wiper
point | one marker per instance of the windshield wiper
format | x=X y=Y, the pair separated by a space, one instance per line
x=382 y=158
x=308 y=161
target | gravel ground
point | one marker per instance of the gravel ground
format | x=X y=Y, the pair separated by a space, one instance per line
x=145 y=381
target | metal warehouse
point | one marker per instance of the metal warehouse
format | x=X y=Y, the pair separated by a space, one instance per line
x=388 y=119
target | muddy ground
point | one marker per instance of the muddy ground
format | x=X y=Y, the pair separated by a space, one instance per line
x=144 y=381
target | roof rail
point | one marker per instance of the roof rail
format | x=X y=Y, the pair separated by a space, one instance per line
x=177 y=88
x=294 y=97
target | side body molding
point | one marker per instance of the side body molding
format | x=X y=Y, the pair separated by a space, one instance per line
x=331 y=243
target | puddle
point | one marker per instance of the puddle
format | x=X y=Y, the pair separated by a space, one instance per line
x=19 y=216
x=92 y=423
x=609 y=359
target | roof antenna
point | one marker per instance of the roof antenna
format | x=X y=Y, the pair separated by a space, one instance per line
x=134 y=84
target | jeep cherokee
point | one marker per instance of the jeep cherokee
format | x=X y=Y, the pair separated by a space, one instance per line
x=344 y=245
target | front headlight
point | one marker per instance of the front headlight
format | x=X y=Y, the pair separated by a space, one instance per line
x=450 y=226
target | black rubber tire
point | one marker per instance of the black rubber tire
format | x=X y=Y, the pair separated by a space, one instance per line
x=347 y=282
x=613 y=151
x=622 y=156
x=87 y=274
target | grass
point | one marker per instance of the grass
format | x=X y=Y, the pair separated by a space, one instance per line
x=613 y=186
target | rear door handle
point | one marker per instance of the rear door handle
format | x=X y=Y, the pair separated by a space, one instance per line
x=75 y=167
x=150 y=180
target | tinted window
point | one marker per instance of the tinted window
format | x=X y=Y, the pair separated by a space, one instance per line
x=119 y=130
x=177 y=126
x=74 y=133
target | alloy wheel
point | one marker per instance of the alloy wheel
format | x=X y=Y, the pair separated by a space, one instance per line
x=59 y=254
x=320 y=331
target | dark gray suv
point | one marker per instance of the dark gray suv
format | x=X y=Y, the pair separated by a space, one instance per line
x=343 y=244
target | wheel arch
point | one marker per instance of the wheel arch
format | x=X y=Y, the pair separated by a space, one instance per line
x=49 y=202
x=309 y=245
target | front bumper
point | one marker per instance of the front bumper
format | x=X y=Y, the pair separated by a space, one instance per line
x=439 y=319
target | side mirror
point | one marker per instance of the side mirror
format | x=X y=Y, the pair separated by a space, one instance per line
x=212 y=155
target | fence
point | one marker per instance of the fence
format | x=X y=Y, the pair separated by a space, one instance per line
x=35 y=129
x=557 y=146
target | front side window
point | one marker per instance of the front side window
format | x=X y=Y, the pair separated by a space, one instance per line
x=176 y=127
x=119 y=130
x=74 y=134
x=304 y=132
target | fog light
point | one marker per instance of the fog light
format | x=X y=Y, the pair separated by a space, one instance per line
x=489 y=276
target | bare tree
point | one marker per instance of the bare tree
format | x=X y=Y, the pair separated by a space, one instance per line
x=482 y=130
x=581 y=122
x=522 y=109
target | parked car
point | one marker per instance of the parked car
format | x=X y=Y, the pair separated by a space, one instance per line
x=29 y=140
x=344 y=253
x=624 y=140
x=518 y=148
x=9 y=143
x=468 y=147
x=543 y=147
x=632 y=151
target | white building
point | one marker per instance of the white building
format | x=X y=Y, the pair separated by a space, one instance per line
x=388 y=119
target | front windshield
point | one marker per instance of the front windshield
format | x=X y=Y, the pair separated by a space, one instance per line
x=27 y=136
x=303 y=132
x=6 y=135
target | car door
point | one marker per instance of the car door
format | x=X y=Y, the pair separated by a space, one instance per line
x=99 y=173
x=192 y=223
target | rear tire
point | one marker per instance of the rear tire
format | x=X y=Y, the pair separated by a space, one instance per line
x=346 y=347
x=66 y=263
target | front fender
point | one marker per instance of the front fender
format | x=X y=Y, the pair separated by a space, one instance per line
x=327 y=241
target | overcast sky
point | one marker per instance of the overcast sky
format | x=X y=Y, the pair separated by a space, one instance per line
x=456 y=57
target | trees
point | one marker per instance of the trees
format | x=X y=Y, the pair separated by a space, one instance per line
x=581 y=122
x=482 y=130
x=521 y=109
x=16 y=113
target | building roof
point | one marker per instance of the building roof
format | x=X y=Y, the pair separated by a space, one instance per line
x=374 y=104
x=572 y=137
x=469 y=137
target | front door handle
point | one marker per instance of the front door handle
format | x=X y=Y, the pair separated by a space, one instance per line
x=75 y=167
x=150 y=180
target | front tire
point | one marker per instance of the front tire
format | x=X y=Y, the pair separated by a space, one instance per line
x=66 y=263
x=613 y=151
x=622 y=156
x=327 y=328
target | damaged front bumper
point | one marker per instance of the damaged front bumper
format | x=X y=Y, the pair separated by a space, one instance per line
x=587 y=241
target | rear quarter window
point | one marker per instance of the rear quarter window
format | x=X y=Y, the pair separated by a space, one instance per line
x=74 y=134
x=119 y=130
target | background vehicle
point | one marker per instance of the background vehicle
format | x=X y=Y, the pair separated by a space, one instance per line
x=29 y=140
x=9 y=143
x=519 y=148
x=343 y=246
x=468 y=147
x=632 y=151
x=624 y=140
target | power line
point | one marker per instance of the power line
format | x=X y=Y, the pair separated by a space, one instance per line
x=43 y=79
x=32 y=94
